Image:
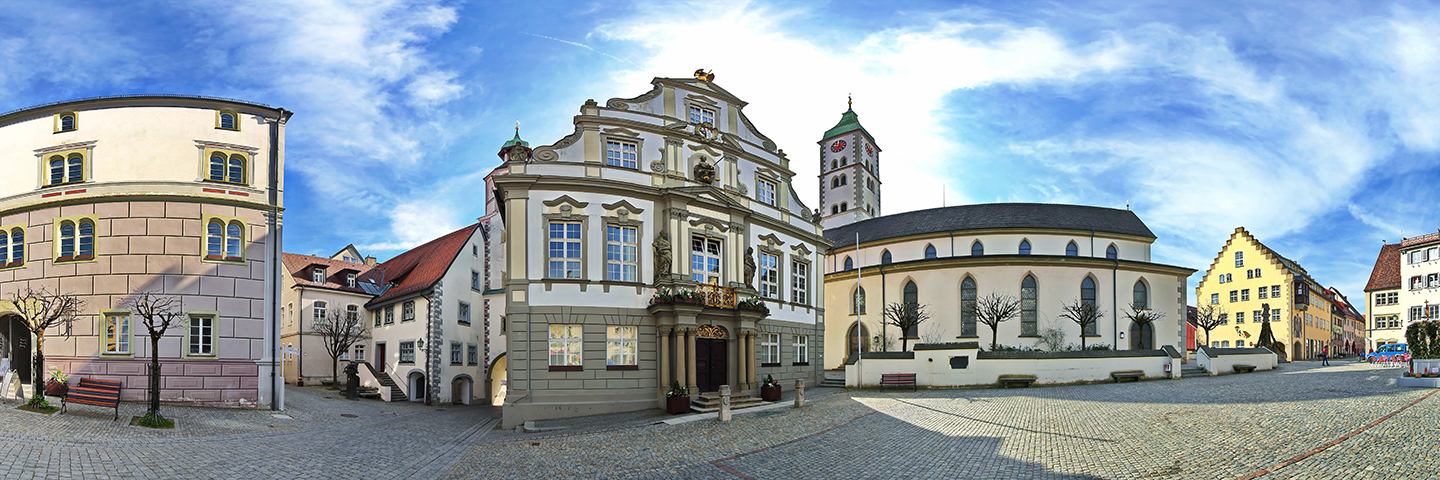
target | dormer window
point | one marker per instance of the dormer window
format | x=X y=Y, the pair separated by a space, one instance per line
x=702 y=115
x=318 y=276
x=350 y=280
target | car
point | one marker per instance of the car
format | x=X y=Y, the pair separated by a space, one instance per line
x=1394 y=352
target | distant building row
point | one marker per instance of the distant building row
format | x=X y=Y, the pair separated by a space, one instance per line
x=1404 y=287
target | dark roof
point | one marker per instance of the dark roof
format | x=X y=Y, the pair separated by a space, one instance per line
x=991 y=215
x=849 y=122
x=419 y=268
x=298 y=266
x=163 y=98
x=1387 y=269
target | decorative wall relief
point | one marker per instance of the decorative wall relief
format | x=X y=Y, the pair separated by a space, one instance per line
x=662 y=256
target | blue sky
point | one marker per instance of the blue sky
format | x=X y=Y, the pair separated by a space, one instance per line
x=1314 y=125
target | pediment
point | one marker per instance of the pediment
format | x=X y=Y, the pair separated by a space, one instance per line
x=622 y=204
x=621 y=131
x=771 y=240
x=800 y=250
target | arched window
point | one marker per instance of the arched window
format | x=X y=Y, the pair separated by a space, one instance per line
x=86 y=240
x=4 y=249
x=1087 y=296
x=834 y=209
x=835 y=182
x=17 y=246
x=1028 y=302
x=75 y=168
x=844 y=161
x=857 y=304
x=930 y=251
x=834 y=164
x=1142 y=294
x=849 y=263
x=1072 y=250
x=227 y=120
x=885 y=257
x=912 y=303
x=844 y=180
x=1024 y=247
x=57 y=170
x=214 y=240
x=1111 y=253
x=232 y=241
x=67 y=122
x=977 y=249
x=67 y=240
x=967 y=307
x=844 y=206
x=217 y=167
x=237 y=169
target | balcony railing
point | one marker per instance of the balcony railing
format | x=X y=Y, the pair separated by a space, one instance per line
x=717 y=296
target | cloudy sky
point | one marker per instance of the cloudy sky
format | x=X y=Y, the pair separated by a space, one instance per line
x=1315 y=126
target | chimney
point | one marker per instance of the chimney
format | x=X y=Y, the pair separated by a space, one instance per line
x=369 y=261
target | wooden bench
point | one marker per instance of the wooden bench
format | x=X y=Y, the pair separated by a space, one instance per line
x=1133 y=375
x=101 y=393
x=1008 y=381
x=898 y=379
x=1243 y=368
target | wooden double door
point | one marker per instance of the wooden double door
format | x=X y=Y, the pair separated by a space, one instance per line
x=711 y=364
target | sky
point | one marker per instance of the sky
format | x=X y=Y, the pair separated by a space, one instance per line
x=1315 y=126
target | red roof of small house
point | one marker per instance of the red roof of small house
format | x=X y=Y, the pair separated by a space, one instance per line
x=1412 y=241
x=300 y=267
x=1387 y=269
x=418 y=269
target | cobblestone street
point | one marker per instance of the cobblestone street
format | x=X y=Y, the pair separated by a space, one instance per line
x=1266 y=425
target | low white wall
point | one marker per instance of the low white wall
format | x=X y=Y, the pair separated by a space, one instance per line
x=932 y=368
x=1220 y=361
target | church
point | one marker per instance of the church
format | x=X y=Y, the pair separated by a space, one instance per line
x=942 y=260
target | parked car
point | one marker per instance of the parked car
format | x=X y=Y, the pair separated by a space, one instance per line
x=1394 y=352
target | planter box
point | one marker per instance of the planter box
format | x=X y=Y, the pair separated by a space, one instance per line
x=56 y=389
x=677 y=405
x=770 y=394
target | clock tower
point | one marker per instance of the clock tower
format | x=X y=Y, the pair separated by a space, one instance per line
x=849 y=173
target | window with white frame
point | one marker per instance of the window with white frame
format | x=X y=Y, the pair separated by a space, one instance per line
x=352 y=314
x=620 y=348
x=319 y=312
x=1257 y=273
x=769 y=275
x=704 y=260
x=769 y=349
x=117 y=333
x=223 y=241
x=318 y=276
x=1234 y=296
x=472 y=354
x=621 y=153
x=359 y=353
x=565 y=341
x=1239 y=259
x=621 y=253
x=1214 y=298
x=1261 y=292
x=350 y=280
x=343 y=357
x=1416 y=282
x=802 y=349
x=464 y=313
x=407 y=352
x=702 y=115
x=390 y=315
x=1432 y=280
x=474 y=280
x=202 y=335
x=565 y=250
x=800 y=282
x=407 y=312
x=1245 y=295
x=1387 y=298
x=1258 y=316
x=1274 y=291
x=1224 y=319
x=455 y=353
x=765 y=192
x=1275 y=315
x=1240 y=317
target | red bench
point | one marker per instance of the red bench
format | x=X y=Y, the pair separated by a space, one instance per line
x=898 y=379
x=101 y=393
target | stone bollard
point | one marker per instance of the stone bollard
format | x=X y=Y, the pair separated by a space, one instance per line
x=799 y=393
x=724 y=403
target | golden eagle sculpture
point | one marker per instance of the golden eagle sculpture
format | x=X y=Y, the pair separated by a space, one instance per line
x=701 y=74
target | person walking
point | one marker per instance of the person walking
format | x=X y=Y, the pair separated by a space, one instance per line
x=1325 y=356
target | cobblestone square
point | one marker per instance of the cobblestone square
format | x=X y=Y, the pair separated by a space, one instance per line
x=1303 y=421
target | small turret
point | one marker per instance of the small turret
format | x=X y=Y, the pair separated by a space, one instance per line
x=516 y=149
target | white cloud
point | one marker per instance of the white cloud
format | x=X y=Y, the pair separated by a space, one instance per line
x=413 y=224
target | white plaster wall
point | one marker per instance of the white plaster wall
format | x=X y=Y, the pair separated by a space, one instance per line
x=932 y=369
x=1224 y=364
x=1425 y=295
x=995 y=244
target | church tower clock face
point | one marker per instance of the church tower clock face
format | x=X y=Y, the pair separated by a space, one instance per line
x=837 y=146
x=868 y=151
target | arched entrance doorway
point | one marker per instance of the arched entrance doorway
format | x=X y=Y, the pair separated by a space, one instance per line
x=417 y=387
x=497 y=380
x=1142 y=337
x=461 y=389
x=850 y=341
x=15 y=347
x=1298 y=355
x=711 y=358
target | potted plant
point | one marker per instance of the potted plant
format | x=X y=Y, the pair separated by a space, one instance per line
x=770 y=389
x=57 y=386
x=677 y=400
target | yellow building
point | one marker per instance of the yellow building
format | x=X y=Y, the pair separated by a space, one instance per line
x=1245 y=278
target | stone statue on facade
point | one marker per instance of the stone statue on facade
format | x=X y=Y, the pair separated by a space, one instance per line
x=704 y=172
x=662 y=256
x=749 y=266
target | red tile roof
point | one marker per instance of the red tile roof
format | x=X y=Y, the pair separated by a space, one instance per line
x=418 y=269
x=1387 y=269
x=298 y=267
x=1412 y=241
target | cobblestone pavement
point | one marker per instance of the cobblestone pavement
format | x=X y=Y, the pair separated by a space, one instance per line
x=1303 y=421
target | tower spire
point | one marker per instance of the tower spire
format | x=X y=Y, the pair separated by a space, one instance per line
x=849 y=103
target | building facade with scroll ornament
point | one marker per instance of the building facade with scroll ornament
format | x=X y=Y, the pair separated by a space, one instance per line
x=660 y=242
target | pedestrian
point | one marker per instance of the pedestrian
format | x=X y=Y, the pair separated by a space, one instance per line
x=1325 y=356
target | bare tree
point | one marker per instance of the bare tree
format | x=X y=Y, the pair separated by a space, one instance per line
x=40 y=311
x=1139 y=315
x=341 y=331
x=994 y=309
x=1209 y=317
x=905 y=316
x=1085 y=314
x=158 y=313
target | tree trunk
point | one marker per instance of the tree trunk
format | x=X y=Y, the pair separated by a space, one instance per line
x=154 y=410
x=334 y=370
x=39 y=367
x=1082 y=337
x=994 y=337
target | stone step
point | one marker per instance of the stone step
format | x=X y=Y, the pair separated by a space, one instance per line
x=733 y=406
x=716 y=396
x=833 y=383
x=747 y=400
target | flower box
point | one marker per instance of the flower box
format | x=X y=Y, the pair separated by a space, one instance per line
x=677 y=405
x=56 y=388
x=770 y=394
